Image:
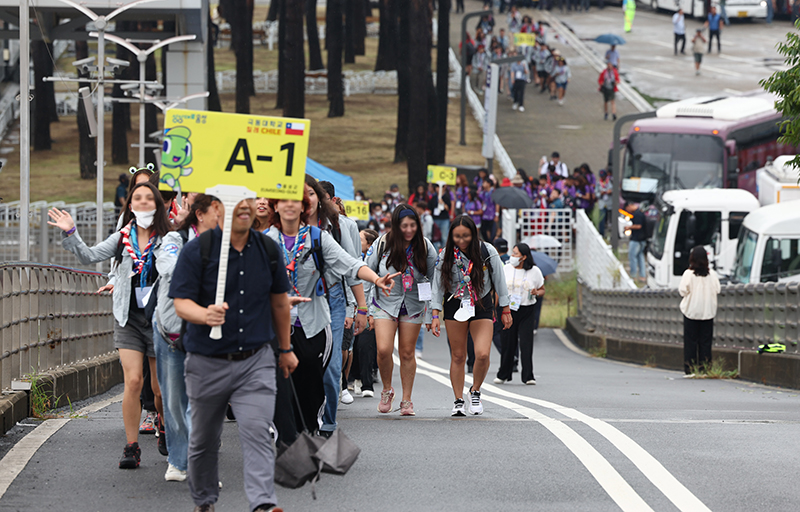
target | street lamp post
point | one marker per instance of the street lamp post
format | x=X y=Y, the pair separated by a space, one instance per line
x=24 y=132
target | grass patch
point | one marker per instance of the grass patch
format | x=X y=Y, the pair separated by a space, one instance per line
x=653 y=100
x=598 y=352
x=559 y=301
x=717 y=370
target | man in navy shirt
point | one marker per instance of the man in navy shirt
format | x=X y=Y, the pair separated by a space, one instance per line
x=240 y=367
x=713 y=24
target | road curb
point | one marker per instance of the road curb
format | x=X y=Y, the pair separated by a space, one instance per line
x=782 y=370
x=72 y=383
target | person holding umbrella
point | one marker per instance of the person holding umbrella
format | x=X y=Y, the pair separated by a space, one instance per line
x=525 y=283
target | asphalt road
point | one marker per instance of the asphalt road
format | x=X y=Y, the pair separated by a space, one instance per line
x=593 y=435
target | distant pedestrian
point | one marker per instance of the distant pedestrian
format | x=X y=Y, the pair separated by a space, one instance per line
x=561 y=77
x=679 y=30
x=521 y=76
x=698 y=45
x=699 y=288
x=440 y=206
x=604 y=191
x=723 y=12
x=480 y=62
x=555 y=165
x=612 y=56
x=629 y=8
x=770 y=11
x=608 y=80
x=459 y=6
x=714 y=28
x=490 y=214
x=637 y=242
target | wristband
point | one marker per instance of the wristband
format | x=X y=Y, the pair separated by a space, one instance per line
x=71 y=230
x=362 y=312
x=286 y=350
x=435 y=317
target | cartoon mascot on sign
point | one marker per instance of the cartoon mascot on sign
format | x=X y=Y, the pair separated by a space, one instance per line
x=176 y=155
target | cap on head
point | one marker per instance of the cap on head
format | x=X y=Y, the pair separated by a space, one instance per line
x=501 y=244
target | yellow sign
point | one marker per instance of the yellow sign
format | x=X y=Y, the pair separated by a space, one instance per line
x=524 y=39
x=204 y=149
x=356 y=209
x=439 y=173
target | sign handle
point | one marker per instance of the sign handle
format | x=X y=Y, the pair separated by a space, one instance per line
x=230 y=196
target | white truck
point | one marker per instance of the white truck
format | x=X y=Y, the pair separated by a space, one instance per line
x=778 y=181
x=769 y=245
x=688 y=218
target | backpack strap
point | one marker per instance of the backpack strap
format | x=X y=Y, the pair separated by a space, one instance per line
x=381 y=246
x=488 y=260
x=319 y=259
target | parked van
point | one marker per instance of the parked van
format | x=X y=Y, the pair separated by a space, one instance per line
x=767 y=249
x=687 y=218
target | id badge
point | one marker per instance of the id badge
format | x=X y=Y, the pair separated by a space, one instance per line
x=424 y=291
x=515 y=303
x=143 y=296
x=466 y=311
x=408 y=282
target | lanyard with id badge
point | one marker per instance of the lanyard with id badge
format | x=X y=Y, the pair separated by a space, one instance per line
x=291 y=267
x=423 y=288
x=515 y=300
x=465 y=291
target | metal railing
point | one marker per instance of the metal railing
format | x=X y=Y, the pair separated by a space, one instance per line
x=45 y=241
x=557 y=223
x=596 y=262
x=50 y=316
x=747 y=315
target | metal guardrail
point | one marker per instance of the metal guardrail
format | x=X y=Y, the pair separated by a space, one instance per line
x=595 y=260
x=747 y=315
x=555 y=222
x=45 y=241
x=50 y=316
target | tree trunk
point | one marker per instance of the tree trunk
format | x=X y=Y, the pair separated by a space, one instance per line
x=360 y=18
x=442 y=78
x=314 y=52
x=272 y=14
x=50 y=90
x=214 y=105
x=294 y=57
x=419 y=65
x=349 y=32
x=248 y=46
x=87 y=145
x=431 y=141
x=401 y=45
x=387 y=37
x=238 y=13
x=281 y=7
x=41 y=116
x=333 y=38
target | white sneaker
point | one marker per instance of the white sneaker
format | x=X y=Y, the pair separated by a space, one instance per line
x=174 y=474
x=498 y=380
x=514 y=106
x=561 y=103
x=521 y=108
x=418 y=354
x=475 y=405
x=357 y=387
x=346 y=397
x=367 y=393
x=531 y=382
x=458 y=408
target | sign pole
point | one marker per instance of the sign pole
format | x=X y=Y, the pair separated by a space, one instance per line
x=24 y=132
x=230 y=195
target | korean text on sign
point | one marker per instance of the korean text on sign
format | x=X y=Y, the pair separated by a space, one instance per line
x=205 y=149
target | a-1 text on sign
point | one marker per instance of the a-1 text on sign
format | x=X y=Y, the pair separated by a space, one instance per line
x=441 y=174
x=358 y=210
x=204 y=149
x=521 y=39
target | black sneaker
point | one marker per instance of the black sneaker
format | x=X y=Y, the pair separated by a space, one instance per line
x=131 y=456
x=229 y=413
x=162 y=440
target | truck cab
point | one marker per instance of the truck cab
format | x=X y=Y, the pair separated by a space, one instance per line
x=777 y=181
x=688 y=218
x=768 y=249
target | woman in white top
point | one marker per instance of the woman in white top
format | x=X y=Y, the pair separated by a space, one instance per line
x=699 y=288
x=525 y=284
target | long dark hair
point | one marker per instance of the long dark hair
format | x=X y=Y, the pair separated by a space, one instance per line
x=473 y=252
x=202 y=203
x=327 y=210
x=274 y=218
x=524 y=250
x=161 y=221
x=698 y=261
x=395 y=240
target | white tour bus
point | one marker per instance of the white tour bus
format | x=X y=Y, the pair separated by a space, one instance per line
x=699 y=8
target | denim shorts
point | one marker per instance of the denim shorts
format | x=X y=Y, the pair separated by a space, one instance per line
x=401 y=317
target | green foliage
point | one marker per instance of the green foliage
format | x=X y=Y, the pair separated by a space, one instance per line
x=715 y=371
x=42 y=402
x=786 y=84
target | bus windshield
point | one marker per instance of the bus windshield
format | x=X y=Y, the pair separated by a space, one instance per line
x=745 y=253
x=667 y=161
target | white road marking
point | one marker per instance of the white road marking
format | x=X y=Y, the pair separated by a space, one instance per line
x=737 y=59
x=720 y=71
x=18 y=457
x=661 y=43
x=731 y=91
x=654 y=73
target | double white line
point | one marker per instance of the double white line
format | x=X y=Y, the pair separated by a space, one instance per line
x=609 y=478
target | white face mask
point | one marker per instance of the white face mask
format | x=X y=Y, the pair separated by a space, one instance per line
x=513 y=261
x=144 y=219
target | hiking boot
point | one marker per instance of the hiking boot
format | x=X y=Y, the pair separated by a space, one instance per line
x=387 y=397
x=407 y=408
x=174 y=474
x=208 y=507
x=148 y=426
x=458 y=408
x=131 y=456
x=475 y=405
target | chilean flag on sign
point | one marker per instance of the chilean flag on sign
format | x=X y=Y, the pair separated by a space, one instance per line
x=295 y=128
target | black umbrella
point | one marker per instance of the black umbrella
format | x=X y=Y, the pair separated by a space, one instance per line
x=511 y=197
x=545 y=263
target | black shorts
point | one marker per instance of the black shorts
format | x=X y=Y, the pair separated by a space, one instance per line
x=484 y=310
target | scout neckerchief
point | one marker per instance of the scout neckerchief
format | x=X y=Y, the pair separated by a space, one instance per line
x=142 y=260
x=408 y=273
x=299 y=244
x=465 y=286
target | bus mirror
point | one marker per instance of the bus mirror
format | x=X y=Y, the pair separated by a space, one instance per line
x=731 y=147
x=733 y=166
